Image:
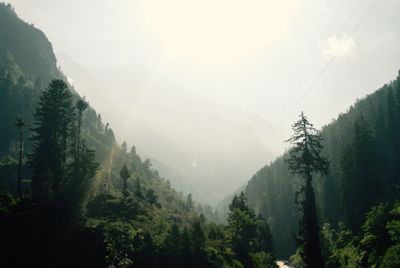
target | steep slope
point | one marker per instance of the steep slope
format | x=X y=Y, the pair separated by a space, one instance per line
x=271 y=190
x=83 y=217
x=26 y=48
x=27 y=64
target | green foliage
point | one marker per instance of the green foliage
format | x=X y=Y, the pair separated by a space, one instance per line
x=377 y=245
x=263 y=260
x=7 y=203
x=356 y=180
x=198 y=238
x=78 y=186
x=82 y=219
x=113 y=208
x=151 y=197
x=376 y=238
x=391 y=259
x=118 y=238
x=340 y=247
x=138 y=188
x=248 y=236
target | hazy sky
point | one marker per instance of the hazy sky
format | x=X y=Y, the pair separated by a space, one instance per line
x=260 y=56
x=271 y=58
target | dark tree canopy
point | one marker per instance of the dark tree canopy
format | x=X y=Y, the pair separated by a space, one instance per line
x=359 y=184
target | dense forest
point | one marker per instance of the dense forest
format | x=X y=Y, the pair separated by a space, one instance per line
x=71 y=196
x=361 y=185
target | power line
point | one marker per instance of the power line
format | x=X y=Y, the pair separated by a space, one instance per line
x=325 y=67
x=328 y=64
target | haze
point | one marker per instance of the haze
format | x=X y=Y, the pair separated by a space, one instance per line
x=208 y=89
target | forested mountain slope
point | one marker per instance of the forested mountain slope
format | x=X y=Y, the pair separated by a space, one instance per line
x=87 y=201
x=27 y=65
x=364 y=153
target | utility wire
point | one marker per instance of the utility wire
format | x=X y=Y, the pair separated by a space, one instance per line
x=331 y=60
x=322 y=71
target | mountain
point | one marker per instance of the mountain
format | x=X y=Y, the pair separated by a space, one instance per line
x=99 y=204
x=342 y=196
x=34 y=60
x=27 y=65
x=199 y=139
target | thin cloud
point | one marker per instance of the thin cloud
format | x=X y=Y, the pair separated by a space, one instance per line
x=337 y=47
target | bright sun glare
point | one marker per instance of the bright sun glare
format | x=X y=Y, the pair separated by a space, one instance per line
x=216 y=31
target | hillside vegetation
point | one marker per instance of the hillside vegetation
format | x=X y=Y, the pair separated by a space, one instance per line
x=71 y=196
x=362 y=146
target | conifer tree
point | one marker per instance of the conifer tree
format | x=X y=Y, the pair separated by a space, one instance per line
x=189 y=201
x=359 y=184
x=265 y=242
x=304 y=159
x=125 y=175
x=186 y=243
x=198 y=238
x=242 y=229
x=53 y=122
x=169 y=247
x=83 y=164
x=78 y=185
x=124 y=147
x=81 y=105
x=20 y=124
x=133 y=150
x=138 y=188
x=151 y=196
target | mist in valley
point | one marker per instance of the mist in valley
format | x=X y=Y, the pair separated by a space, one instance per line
x=214 y=133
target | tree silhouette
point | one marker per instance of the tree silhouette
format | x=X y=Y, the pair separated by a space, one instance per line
x=20 y=124
x=304 y=159
x=81 y=105
x=53 y=119
x=151 y=196
x=242 y=229
x=138 y=188
x=124 y=147
x=189 y=201
x=125 y=175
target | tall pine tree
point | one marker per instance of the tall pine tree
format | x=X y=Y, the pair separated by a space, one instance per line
x=20 y=124
x=125 y=175
x=53 y=122
x=304 y=159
